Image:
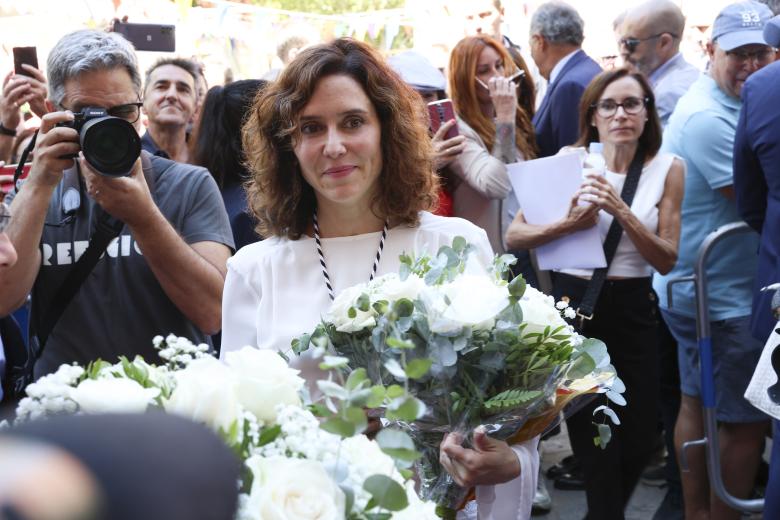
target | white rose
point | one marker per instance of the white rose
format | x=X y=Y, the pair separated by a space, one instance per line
x=264 y=381
x=475 y=300
x=206 y=392
x=539 y=311
x=113 y=395
x=392 y=288
x=339 y=309
x=293 y=489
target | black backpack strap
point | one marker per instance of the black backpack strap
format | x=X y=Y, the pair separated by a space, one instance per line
x=107 y=228
x=591 y=296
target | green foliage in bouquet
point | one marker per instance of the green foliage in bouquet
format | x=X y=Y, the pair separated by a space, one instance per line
x=446 y=345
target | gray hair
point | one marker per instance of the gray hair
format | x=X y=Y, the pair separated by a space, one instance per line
x=558 y=22
x=89 y=50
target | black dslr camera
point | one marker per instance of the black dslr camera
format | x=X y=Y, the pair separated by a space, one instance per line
x=110 y=144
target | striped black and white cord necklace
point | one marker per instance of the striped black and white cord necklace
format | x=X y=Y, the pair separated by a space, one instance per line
x=325 y=275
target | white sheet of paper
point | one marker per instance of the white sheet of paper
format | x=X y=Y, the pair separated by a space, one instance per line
x=544 y=188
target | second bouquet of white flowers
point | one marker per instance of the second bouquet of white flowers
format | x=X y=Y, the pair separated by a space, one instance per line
x=451 y=345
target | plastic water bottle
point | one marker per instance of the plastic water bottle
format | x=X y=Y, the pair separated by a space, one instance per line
x=594 y=164
x=594 y=161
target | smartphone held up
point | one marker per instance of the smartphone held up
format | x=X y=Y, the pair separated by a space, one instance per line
x=440 y=112
x=25 y=55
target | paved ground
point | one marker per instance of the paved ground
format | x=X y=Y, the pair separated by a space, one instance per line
x=570 y=505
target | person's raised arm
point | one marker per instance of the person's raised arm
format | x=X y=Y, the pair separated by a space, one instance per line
x=30 y=205
x=193 y=275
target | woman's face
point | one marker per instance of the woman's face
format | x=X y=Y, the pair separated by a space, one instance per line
x=489 y=65
x=338 y=143
x=621 y=127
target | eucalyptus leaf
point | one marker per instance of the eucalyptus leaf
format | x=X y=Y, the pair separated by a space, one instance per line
x=397 y=444
x=417 y=368
x=332 y=389
x=363 y=302
x=330 y=362
x=517 y=287
x=406 y=409
x=395 y=368
x=605 y=435
x=357 y=417
x=394 y=391
x=403 y=307
x=338 y=426
x=459 y=244
x=609 y=412
x=356 y=378
x=581 y=367
x=378 y=393
x=387 y=493
x=616 y=398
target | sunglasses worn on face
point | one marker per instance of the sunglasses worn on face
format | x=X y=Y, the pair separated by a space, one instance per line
x=631 y=105
x=632 y=43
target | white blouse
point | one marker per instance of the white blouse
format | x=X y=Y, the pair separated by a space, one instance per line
x=275 y=292
x=628 y=262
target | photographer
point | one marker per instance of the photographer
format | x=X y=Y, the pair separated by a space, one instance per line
x=164 y=272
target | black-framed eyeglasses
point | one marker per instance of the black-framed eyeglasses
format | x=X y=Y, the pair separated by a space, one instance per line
x=632 y=43
x=761 y=55
x=5 y=216
x=631 y=105
x=130 y=112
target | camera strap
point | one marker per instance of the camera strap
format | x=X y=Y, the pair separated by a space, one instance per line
x=107 y=228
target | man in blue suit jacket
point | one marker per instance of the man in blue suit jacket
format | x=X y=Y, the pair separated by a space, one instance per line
x=757 y=183
x=757 y=188
x=556 y=38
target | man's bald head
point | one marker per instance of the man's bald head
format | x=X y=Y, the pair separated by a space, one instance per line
x=658 y=25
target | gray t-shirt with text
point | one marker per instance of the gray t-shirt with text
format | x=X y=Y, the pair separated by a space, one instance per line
x=121 y=306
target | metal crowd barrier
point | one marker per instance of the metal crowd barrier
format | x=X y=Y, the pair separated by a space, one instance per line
x=710 y=440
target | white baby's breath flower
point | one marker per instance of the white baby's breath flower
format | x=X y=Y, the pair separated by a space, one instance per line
x=561 y=305
x=570 y=313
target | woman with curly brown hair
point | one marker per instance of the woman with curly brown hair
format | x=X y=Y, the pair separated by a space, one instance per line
x=341 y=183
x=493 y=100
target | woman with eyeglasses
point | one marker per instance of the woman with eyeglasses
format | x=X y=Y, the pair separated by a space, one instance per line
x=493 y=101
x=618 y=110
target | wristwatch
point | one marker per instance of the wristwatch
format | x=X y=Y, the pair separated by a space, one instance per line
x=7 y=131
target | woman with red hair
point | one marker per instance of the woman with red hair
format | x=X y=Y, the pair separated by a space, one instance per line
x=493 y=99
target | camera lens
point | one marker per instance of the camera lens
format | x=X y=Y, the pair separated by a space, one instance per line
x=110 y=145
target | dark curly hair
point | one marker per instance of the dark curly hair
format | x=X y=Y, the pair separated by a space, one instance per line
x=281 y=200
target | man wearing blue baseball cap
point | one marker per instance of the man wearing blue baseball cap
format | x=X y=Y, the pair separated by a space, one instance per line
x=701 y=130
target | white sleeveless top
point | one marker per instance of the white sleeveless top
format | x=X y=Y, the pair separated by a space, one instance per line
x=628 y=263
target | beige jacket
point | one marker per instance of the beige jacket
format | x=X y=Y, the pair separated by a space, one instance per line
x=484 y=194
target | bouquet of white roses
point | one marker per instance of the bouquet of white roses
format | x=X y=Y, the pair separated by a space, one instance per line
x=456 y=346
x=292 y=467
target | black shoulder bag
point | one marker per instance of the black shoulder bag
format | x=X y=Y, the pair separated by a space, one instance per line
x=591 y=296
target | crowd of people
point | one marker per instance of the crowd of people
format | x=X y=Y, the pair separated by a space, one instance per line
x=252 y=204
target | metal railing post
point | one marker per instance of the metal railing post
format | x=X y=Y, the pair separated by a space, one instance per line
x=704 y=339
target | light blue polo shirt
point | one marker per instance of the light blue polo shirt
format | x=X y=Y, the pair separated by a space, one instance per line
x=701 y=131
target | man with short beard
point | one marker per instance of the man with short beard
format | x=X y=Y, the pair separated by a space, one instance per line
x=650 y=36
